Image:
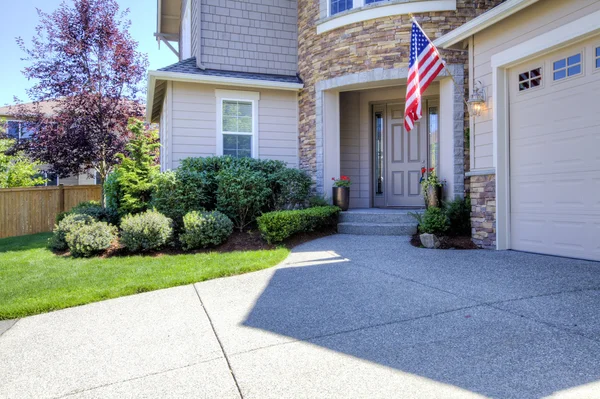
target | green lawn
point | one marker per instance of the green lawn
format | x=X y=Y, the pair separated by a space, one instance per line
x=34 y=280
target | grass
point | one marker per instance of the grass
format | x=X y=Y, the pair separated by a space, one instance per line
x=34 y=280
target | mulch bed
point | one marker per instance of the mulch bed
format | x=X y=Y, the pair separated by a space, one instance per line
x=238 y=241
x=461 y=242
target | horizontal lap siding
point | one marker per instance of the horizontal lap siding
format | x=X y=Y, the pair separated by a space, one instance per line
x=536 y=19
x=350 y=148
x=194 y=123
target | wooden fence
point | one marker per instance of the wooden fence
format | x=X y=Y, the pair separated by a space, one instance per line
x=33 y=210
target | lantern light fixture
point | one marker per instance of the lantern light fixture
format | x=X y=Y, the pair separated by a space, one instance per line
x=477 y=100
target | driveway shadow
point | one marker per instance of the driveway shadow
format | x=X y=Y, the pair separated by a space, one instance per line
x=352 y=304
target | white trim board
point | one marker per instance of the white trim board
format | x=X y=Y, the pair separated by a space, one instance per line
x=483 y=21
x=383 y=10
x=565 y=35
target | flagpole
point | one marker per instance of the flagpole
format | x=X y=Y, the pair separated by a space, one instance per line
x=412 y=17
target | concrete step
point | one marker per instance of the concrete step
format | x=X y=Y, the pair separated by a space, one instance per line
x=382 y=229
x=378 y=217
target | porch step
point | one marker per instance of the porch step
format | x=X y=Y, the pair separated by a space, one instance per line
x=378 y=229
x=375 y=217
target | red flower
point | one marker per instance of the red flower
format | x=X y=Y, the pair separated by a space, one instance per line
x=345 y=178
x=333 y=178
x=431 y=170
x=423 y=170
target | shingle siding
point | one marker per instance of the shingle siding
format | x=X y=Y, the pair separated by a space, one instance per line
x=250 y=36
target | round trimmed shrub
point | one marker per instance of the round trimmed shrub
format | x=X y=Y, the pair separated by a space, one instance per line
x=91 y=239
x=67 y=224
x=95 y=210
x=434 y=221
x=204 y=229
x=146 y=231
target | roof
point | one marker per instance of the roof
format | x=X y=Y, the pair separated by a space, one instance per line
x=189 y=66
x=188 y=71
x=482 y=22
x=47 y=107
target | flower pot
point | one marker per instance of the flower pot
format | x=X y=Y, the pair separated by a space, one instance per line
x=341 y=197
x=433 y=196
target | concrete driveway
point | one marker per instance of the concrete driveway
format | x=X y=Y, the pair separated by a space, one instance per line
x=343 y=317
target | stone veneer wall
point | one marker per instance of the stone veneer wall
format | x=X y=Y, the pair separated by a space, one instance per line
x=483 y=210
x=363 y=46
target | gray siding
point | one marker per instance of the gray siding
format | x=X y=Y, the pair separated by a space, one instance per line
x=250 y=36
x=194 y=125
x=350 y=148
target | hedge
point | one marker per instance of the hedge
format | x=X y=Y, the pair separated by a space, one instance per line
x=280 y=225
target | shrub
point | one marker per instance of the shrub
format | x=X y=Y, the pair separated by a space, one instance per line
x=459 y=217
x=95 y=210
x=145 y=231
x=280 y=225
x=177 y=193
x=91 y=239
x=433 y=221
x=204 y=229
x=69 y=223
x=241 y=194
x=316 y=201
x=292 y=188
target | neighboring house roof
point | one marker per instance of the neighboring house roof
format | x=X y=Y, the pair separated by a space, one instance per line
x=482 y=22
x=47 y=107
x=188 y=71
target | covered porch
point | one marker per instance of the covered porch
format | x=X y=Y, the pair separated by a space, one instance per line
x=360 y=134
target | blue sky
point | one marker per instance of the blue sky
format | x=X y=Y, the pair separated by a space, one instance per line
x=23 y=20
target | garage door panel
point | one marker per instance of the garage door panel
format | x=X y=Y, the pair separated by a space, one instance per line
x=556 y=235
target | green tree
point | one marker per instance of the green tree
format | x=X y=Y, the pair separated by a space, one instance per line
x=132 y=182
x=16 y=169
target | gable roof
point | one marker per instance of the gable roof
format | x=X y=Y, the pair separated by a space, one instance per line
x=47 y=107
x=482 y=22
x=188 y=71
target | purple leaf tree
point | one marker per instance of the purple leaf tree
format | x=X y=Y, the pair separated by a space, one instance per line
x=84 y=62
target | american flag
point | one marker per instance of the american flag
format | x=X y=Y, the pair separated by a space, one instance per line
x=425 y=64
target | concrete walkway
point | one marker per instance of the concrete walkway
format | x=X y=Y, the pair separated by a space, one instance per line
x=344 y=317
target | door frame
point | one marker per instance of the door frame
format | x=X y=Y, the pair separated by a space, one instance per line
x=380 y=201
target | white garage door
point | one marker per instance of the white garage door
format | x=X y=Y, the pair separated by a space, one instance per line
x=555 y=153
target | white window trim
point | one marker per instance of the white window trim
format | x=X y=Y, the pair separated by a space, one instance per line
x=361 y=12
x=235 y=95
x=186 y=31
x=558 y=38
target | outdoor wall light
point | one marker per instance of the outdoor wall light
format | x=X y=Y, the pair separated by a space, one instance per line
x=477 y=100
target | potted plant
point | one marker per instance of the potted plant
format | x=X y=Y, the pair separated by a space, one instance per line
x=341 y=192
x=432 y=187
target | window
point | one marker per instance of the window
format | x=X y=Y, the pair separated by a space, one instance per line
x=51 y=178
x=237 y=122
x=19 y=130
x=434 y=137
x=567 y=67
x=597 y=57
x=379 y=157
x=530 y=79
x=338 y=6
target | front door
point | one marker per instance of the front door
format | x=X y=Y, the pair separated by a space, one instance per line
x=406 y=154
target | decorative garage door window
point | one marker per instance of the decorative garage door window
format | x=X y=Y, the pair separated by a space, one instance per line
x=567 y=67
x=598 y=57
x=237 y=128
x=530 y=79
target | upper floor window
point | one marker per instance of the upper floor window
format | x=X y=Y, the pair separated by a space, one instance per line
x=597 y=57
x=337 y=6
x=567 y=67
x=19 y=130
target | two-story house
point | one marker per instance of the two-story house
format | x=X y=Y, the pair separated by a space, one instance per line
x=320 y=84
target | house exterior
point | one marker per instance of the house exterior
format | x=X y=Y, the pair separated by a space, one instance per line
x=535 y=168
x=18 y=130
x=318 y=84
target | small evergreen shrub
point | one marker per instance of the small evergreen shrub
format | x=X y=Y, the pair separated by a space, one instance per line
x=280 y=225
x=205 y=229
x=145 y=231
x=69 y=223
x=292 y=188
x=316 y=201
x=95 y=210
x=91 y=239
x=459 y=217
x=242 y=194
x=434 y=221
